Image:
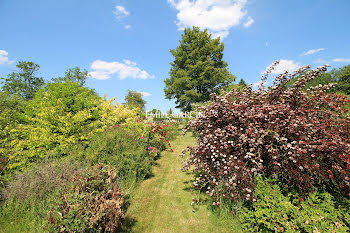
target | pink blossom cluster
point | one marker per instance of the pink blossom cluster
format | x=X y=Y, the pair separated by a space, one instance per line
x=153 y=149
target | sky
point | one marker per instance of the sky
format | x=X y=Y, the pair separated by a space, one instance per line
x=125 y=44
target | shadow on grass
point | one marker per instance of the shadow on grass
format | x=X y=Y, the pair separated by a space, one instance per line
x=126 y=225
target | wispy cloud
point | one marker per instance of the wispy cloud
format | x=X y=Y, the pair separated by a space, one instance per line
x=4 y=57
x=143 y=93
x=120 y=12
x=127 y=69
x=311 y=51
x=249 y=22
x=341 y=60
x=216 y=15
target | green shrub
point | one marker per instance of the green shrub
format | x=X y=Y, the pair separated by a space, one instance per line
x=60 y=115
x=130 y=148
x=120 y=148
x=274 y=212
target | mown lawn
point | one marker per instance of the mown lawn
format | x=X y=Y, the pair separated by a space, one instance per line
x=163 y=202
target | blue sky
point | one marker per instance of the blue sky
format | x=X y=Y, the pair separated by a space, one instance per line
x=125 y=44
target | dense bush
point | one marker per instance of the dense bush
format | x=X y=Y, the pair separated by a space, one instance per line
x=300 y=137
x=274 y=212
x=59 y=115
x=92 y=202
x=130 y=148
x=120 y=148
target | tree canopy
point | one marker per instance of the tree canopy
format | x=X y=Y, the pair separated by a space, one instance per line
x=343 y=77
x=23 y=82
x=242 y=83
x=198 y=69
x=133 y=99
x=74 y=75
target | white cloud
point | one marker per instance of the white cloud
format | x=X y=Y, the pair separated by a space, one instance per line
x=127 y=26
x=143 y=93
x=341 y=60
x=222 y=34
x=126 y=69
x=312 y=51
x=267 y=44
x=4 y=57
x=249 y=22
x=216 y=15
x=285 y=65
x=120 y=12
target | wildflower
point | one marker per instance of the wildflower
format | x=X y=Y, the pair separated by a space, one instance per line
x=116 y=126
x=142 y=137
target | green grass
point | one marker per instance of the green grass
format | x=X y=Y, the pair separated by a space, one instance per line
x=163 y=202
x=22 y=217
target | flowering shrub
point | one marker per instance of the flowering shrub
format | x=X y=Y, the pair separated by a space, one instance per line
x=301 y=137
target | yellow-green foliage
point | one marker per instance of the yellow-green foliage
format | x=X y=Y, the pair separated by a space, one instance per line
x=114 y=113
x=58 y=116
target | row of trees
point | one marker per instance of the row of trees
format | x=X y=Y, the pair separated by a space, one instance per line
x=25 y=83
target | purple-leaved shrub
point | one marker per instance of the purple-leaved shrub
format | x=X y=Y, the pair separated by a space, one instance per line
x=300 y=137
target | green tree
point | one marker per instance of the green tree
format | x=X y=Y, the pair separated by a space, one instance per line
x=133 y=99
x=170 y=112
x=74 y=75
x=343 y=78
x=242 y=83
x=23 y=82
x=154 y=111
x=198 y=69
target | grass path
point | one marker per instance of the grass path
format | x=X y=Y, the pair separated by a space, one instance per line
x=163 y=202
